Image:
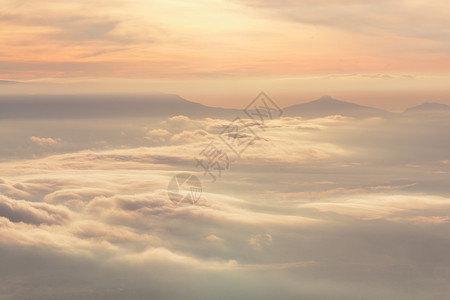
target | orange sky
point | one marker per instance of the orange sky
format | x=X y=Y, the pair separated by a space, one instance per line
x=211 y=50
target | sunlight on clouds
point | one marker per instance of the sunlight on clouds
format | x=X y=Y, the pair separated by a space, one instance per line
x=308 y=197
x=370 y=207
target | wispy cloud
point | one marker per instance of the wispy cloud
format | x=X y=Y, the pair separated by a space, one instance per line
x=45 y=141
x=117 y=39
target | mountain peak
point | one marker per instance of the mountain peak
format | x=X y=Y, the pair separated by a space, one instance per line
x=429 y=107
x=327 y=105
x=326 y=99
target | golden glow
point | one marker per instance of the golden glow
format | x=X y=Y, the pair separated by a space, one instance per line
x=228 y=42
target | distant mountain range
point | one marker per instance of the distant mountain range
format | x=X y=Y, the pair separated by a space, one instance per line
x=105 y=106
x=166 y=105
x=429 y=107
x=327 y=106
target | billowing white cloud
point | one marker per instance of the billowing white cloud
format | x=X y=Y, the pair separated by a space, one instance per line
x=32 y=212
x=309 y=199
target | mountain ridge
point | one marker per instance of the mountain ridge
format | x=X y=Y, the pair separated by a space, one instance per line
x=105 y=106
x=429 y=107
x=330 y=106
x=167 y=105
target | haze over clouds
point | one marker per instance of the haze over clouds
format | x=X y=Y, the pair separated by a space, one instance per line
x=328 y=208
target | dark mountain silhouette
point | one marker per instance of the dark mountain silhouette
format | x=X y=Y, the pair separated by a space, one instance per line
x=327 y=106
x=106 y=106
x=429 y=107
x=167 y=105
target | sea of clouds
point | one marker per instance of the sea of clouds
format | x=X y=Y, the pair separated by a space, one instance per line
x=327 y=208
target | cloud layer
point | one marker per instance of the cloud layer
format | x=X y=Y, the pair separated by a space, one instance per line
x=329 y=208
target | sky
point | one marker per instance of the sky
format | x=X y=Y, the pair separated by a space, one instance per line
x=387 y=54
